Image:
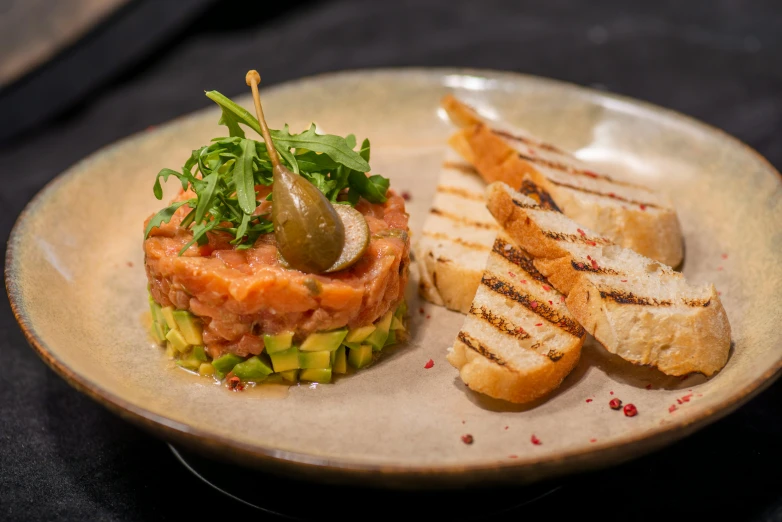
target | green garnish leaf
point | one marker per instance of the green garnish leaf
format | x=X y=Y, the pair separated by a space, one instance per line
x=164 y=216
x=243 y=177
x=336 y=147
x=223 y=175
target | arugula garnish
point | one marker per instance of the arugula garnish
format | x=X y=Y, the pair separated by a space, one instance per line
x=224 y=175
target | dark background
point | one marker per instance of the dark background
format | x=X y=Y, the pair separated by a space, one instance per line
x=63 y=457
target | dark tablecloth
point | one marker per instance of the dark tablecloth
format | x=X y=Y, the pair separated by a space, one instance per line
x=63 y=457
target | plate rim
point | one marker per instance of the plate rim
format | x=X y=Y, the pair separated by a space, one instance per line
x=295 y=463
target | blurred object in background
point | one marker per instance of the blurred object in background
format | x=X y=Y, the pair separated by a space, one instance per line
x=33 y=31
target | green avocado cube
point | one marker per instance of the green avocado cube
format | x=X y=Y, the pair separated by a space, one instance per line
x=189 y=363
x=155 y=310
x=340 y=362
x=199 y=353
x=397 y=324
x=274 y=378
x=189 y=326
x=225 y=363
x=314 y=360
x=156 y=331
x=357 y=335
x=206 y=369
x=352 y=346
x=401 y=310
x=252 y=369
x=358 y=358
x=322 y=375
x=177 y=341
x=168 y=316
x=290 y=375
x=378 y=337
x=285 y=361
x=324 y=341
x=278 y=343
x=391 y=339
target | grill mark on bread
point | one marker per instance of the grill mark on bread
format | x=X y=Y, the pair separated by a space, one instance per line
x=475 y=345
x=540 y=308
x=518 y=258
x=460 y=192
x=457 y=240
x=498 y=322
x=577 y=238
x=543 y=198
x=595 y=269
x=695 y=302
x=554 y=355
x=610 y=195
x=461 y=167
x=529 y=141
x=562 y=167
x=630 y=298
x=459 y=219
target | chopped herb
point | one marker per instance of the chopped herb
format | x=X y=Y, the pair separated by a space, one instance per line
x=224 y=176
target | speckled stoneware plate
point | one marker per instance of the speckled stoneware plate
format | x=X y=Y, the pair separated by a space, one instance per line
x=76 y=280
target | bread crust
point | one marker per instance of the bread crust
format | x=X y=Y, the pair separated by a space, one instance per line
x=653 y=234
x=676 y=340
x=485 y=376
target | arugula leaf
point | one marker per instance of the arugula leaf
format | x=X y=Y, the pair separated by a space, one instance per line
x=164 y=216
x=336 y=147
x=224 y=173
x=243 y=177
x=230 y=120
x=205 y=197
x=367 y=187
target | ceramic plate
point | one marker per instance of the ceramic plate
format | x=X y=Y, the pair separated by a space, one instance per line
x=76 y=281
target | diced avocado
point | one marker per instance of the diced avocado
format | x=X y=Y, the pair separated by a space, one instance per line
x=155 y=310
x=340 y=362
x=252 y=369
x=378 y=337
x=324 y=341
x=401 y=310
x=189 y=326
x=315 y=360
x=170 y=350
x=278 y=343
x=274 y=378
x=290 y=375
x=352 y=346
x=157 y=333
x=225 y=363
x=391 y=339
x=199 y=353
x=357 y=335
x=189 y=362
x=168 y=315
x=322 y=375
x=397 y=324
x=206 y=369
x=358 y=358
x=285 y=361
x=177 y=341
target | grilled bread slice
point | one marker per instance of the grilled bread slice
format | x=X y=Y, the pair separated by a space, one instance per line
x=638 y=308
x=632 y=215
x=518 y=341
x=457 y=237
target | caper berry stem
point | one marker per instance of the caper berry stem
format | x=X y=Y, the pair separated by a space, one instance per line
x=253 y=79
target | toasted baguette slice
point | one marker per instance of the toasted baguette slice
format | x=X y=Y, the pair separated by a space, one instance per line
x=632 y=215
x=518 y=341
x=636 y=307
x=457 y=237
